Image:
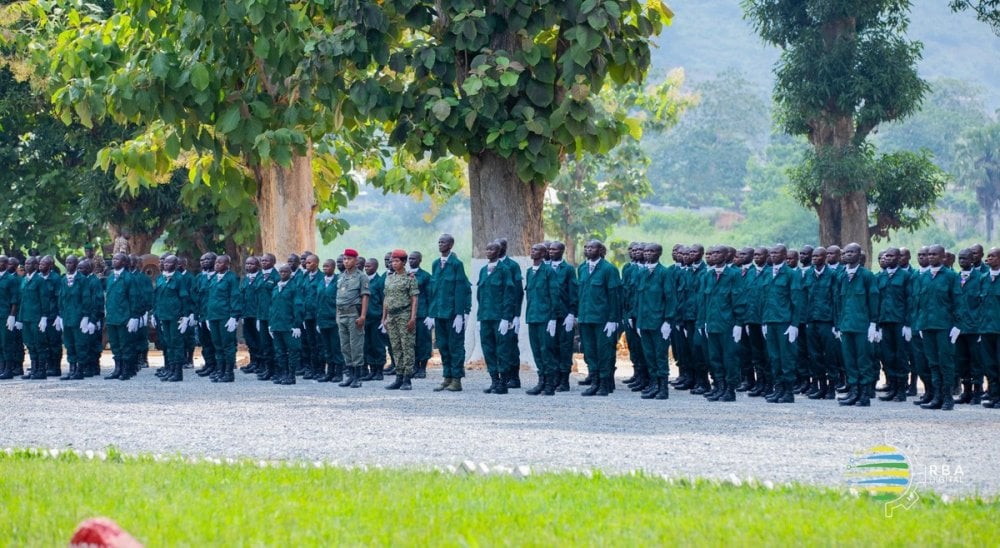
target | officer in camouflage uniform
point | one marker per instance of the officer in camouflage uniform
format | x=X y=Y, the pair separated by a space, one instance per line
x=399 y=318
x=352 y=308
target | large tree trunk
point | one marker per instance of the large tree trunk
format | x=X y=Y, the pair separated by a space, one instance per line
x=286 y=207
x=503 y=206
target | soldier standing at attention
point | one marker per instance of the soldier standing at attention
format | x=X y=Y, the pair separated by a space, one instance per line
x=352 y=309
x=600 y=310
x=656 y=309
x=893 y=291
x=819 y=286
x=509 y=352
x=969 y=317
x=566 y=309
x=207 y=263
x=120 y=310
x=856 y=304
x=269 y=277
x=92 y=336
x=285 y=325
x=312 y=354
x=7 y=307
x=328 y=340
x=541 y=289
x=990 y=345
x=76 y=307
x=375 y=339
x=171 y=308
x=249 y=285
x=33 y=314
x=723 y=332
x=450 y=303
x=422 y=351
x=495 y=296
x=755 y=286
x=640 y=378
x=782 y=304
x=224 y=312
x=937 y=305
x=399 y=318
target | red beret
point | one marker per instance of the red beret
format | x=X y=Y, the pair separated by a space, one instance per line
x=398 y=254
x=350 y=253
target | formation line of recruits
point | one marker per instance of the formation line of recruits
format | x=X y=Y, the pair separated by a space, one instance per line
x=771 y=322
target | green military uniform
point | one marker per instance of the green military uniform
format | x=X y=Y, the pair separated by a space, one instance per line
x=223 y=304
x=329 y=335
x=121 y=305
x=541 y=288
x=989 y=307
x=495 y=296
x=140 y=339
x=969 y=319
x=76 y=302
x=562 y=347
x=249 y=287
x=509 y=351
x=781 y=308
x=450 y=298
x=641 y=366
x=375 y=340
x=96 y=338
x=10 y=338
x=351 y=287
x=313 y=355
x=262 y=291
x=39 y=299
x=937 y=304
x=204 y=331
x=856 y=308
x=754 y=286
x=656 y=303
x=398 y=291
x=422 y=352
x=285 y=314
x=720 y=290
x=599 y=304
x=920 y=365
x=171 y=304
x=823 y=346
x=694 y=339
x=893 y=290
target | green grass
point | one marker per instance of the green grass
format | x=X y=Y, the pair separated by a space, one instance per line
x=176 y=503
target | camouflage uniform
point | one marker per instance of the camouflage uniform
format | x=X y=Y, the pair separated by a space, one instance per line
x=398 y=290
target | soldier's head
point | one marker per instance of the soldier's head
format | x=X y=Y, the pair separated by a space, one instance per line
x=651 y=253
x=890 y=257
x=792 y=259
x=445 y=243
x=85 y=267
x=965 y=258
x=72 y=263
x=904 y=257
x=993 y=258
x=267 y=261
x=387 y=260
x=833 y=254
x=88 y=251
x=715 y=256
x=329 y=267
x=120 y=261
x=503 y=246
x=676 y=253
x=294 y=261
x=397 y=260
x=340 y=263
x=170 y=263
x=851 y=254
x=539 y=252
x=556 y=250
x=3 y=263
x=251 y=265
x=635 y=251
x=285 y=272
x=744 y=256
x=414 y=259
x=134 y=262
x=949 y=259
x=935 y=256
x=922 y=256
x=819 y=257
x=778 y=254
x=222 y=264
x=760 y=256
x=45 y=264
x=312 y=263
x=12 y=264
x=207 y=262
x=977 y=254
x=805 y=255
x=371 y=266
x=594 y=250
x=695 y=253
x=492 y=251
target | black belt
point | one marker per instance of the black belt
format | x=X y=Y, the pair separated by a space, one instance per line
x=399 y=309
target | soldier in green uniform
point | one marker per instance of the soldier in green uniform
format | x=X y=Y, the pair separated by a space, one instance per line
x=422 y=351
x=818 y=286
x=969 y=317
x=693 y=331
x=76 y=307
x=450 y=303
x=399 y=318
x=9 y=297
x=803 y=370
x=780 y=313
x=754 y=287
x=566 y=310
x=121 y=316
x=37 y=303
x=91 y=333
x=640 y=379
x=375 y=339
x=600 y=309
x=856 y=307
x=312 y=355
x=285 y=316
x=189 y=280
x=920 y=366
x=224 y=310
x=893 y=322
x=144 y=290
x=262 y=292
x=326 y=323
x=495 y=296
x=207 y=263
x=937 y=303
x=720 y=290
x=655 y=312
x=541 y=290
x=352 y=309
x=989 y=347
x=249 y=286
x=509 y=352
x=172 y=305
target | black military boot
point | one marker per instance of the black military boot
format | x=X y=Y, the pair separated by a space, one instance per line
x=407 y=385
x=864 y=396
x=779 y=390
x=563 y=382
x=550 y=385
x=69 y=372
x=229 y=373
x=728 y=395
x=588 y=381
x=966 y=397
x=977 y=394
x=325 y=372
x=494 y=379
x=377 y=373
x=635 y=373
x=911 y=389
x=503 y=383
x=901 y=390
x=164 y=372
x=652 y=389
x=890 y=394
x=538 y=388
x=514 y=377
x=338 y=373
x=842 y=383
x=177 y=374
x=723 y=388
x=348 y=377
x=852 y=396
x=818 y=390
x=604 y=387
x=117 y=372
x=928 y=393
x=594 y=387
x=6 y=372
x=395 y=384
x=288 y=378
x=641 y=382
x=369 y=372
x=947 y=402
x=390 y=369
x=205 y=371
x=357 y=377
x=938 y=400
x=421 y=371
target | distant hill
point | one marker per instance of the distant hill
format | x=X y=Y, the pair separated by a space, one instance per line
x=710 y=36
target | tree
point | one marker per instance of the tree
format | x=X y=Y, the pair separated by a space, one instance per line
x=702 y=162
x=987 y=11
x=594 y=192
x=845 y=68
x=978 y=154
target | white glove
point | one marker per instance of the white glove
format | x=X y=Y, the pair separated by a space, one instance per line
x=569 y=322
x=98 y=325
x=18 y=326
x=142 y=321
x=152 y=321
x=318 y=330
x=907 y=333
x=91 y=328
x=381 y=327
x=665 y=330
x=429 y=323
x=684 y=331
x=737 y=333
x=11 y=320
x=231 y=325
x=630 y=324
x=296 y=332
x=792 y=332
x=953 y=334
x=504 y=327
x=270 y=332
x=58 y=323
x=458 y=324
x=182 y=325
x=836 y=333
x=921 y=333
x=763 y=330
x=191 y=321
x=639 y=333
x=133 y=325
x=871 y=332
x=208 y=326
x=550 y=328
x=43 y=324
x=257 y=325
x=609 y=328
x=878 y=336
x=83 y=324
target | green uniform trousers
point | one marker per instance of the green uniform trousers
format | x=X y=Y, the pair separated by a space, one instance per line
x=636 y=352
x=287 y=351
x=598 y=349
x=489 y=339
x=892 y=351
x=224 y=342
x=207 y=346
x=824 y=350
x=403 y=342
x=329 y=343
x=858 y=366
x=38 y=345
x=266 y=343
x=172 y=342
x=781 y=354
x=77 y=344
x=989 y=351
x=422 y=352
x=451 y=346
x=352 y=340
x=508 y=350
x=252 y=339
x=656 y=349
x=723 y=357
x=119 y=342
x=12 y=347
x=940 y=356
x=541 y=348
x=562 y=347
x=375 y=342
x=968 y=358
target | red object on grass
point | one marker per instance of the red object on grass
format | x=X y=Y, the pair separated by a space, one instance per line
x=102 y=532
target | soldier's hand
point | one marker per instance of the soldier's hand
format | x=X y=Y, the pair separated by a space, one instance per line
x=296 y=332
x=11 y=320
x=793 y=333
x=182 y=325
x=18 y=326
x=836 y=333
x=91 y=328
x=504 y=327
x=43 y=324
x=58 y=323
x=737 y=334
x=953 y=334
x=665 y=330
x=458 y=324
x=516 y=324
x=411 y=325
x=569 y=322
x=550 y=328
x=907 y=333
x=609 y=328
x=381 y=327
x=83 y=324
x=763 y=330
x=360 y=323
x=257 y=325
x=872 y=332
x=133 y=325
x=231 y=325
x=152 y=321
x=429 y=323
x=631 y=324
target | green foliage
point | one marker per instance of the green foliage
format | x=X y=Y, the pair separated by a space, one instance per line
x=303 y=505
x=978 y=166
x=987 y=11
x=773 y=214
x=655 y=222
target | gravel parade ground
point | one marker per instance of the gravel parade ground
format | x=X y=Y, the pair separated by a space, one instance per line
x=685 y=436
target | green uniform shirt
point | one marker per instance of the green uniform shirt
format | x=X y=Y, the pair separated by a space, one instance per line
x=600 y=293
x=819 y=292
x=10 y=292
x=856 y=300
x=755 y=286
x=541 y=288
x=172 y=300
x=286 y=307
x=656 y=296
x=495 y=293
x=39 y=297
x=398 y=289
x=515 y=276
x=423 y=284
x=937 y=301
x=782 y=302
x=326 y=302
x=376 y=296
x=351 y=286
x=76 y=299
x=569 y=289
x=989 y=305
x=894 y=298
x=968 y=317
x=450 y=289
x=223 y=297
x=720 y=300
x=264 y=291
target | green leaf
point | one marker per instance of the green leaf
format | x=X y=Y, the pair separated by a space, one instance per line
x=173 y=146
x=539 y=94
x=229 y=119
x=262 y=47
x=160 y=67
x=634 y=128
x=470 y=119
x=472 y=85
x=441 y=110
x=199 y=77
x=509 y=79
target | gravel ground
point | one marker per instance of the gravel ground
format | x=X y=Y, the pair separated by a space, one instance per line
x=684 y=436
